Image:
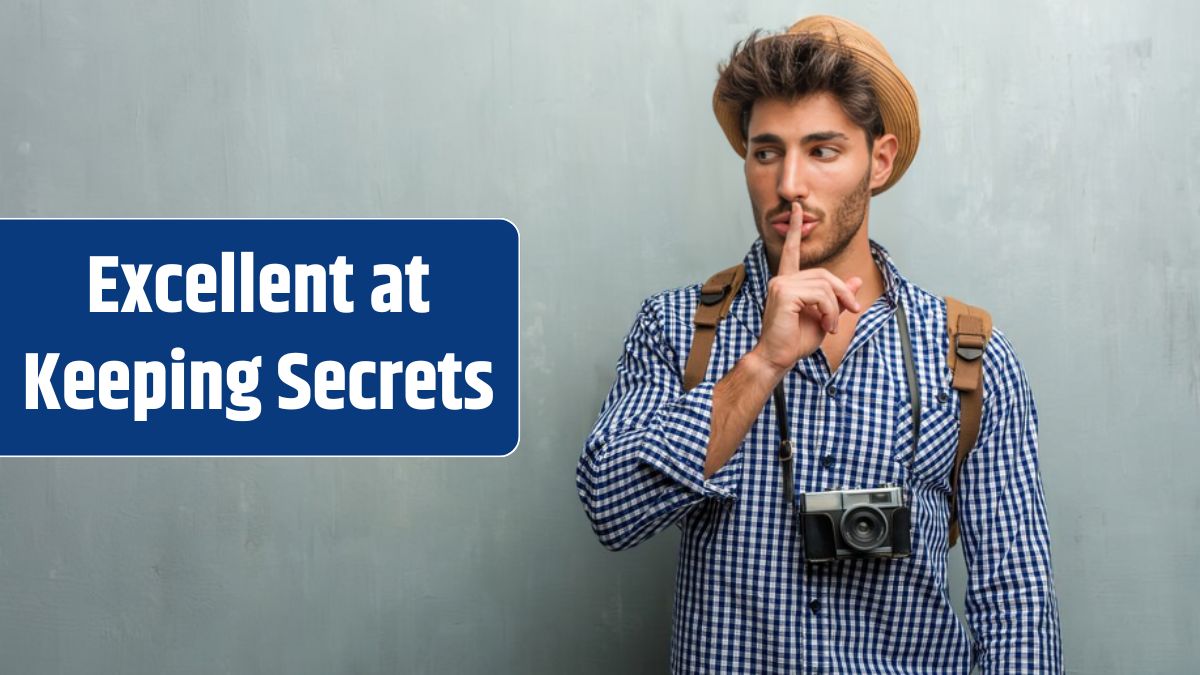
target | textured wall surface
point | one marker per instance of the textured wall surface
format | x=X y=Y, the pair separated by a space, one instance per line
x=1058 y=185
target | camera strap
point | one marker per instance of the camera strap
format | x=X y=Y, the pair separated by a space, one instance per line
x=787 y=447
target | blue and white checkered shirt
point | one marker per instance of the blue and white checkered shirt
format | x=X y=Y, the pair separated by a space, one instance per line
x=745 y=600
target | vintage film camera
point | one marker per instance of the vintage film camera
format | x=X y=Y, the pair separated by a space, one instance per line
x=869 y=523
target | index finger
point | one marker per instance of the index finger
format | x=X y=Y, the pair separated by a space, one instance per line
x=789 y=259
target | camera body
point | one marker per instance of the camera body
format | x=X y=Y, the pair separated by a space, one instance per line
x=867 y=523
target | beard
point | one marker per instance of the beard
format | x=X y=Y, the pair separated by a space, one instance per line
x=840 y=230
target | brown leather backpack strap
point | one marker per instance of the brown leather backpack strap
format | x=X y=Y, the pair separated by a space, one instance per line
x=969 y=328
x=716 y=296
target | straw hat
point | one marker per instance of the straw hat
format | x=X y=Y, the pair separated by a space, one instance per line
x=897 y=100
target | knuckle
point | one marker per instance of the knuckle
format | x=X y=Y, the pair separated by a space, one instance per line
x=833 y=279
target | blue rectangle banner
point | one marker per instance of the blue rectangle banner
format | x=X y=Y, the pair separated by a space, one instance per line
x=226 y=337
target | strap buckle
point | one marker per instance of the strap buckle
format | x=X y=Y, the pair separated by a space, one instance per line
x=968 y=346
x=710 y=298
x=786 y=449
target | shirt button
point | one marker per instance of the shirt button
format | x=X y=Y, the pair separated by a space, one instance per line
x=815 y=606
x=832 y=391
x=827 y=461
x=942 y=397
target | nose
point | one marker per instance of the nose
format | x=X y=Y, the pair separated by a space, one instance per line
x=793 y=184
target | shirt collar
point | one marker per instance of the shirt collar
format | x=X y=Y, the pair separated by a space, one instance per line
x=758 y=272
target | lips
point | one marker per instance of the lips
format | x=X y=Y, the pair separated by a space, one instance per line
x=781 y=226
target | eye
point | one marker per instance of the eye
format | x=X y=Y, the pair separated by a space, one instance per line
x=765 y=154
x=832 y=151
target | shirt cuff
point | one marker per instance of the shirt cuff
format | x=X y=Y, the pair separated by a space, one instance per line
x=678 y=443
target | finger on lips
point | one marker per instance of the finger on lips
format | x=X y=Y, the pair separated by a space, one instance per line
x=789 y=259
x=837 y=296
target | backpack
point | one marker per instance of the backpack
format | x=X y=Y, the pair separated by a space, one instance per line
x=969 y=328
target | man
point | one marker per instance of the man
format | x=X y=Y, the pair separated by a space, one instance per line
x=824 y=121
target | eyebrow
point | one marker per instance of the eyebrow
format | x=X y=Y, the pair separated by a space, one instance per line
x=811 y=138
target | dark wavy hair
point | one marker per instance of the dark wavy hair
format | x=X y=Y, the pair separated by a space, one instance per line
x=792 y=66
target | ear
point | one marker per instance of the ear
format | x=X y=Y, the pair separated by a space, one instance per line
x=882 y=157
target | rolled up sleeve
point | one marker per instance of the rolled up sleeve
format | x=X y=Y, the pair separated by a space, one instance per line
x=642 y=466
x=1010 y=603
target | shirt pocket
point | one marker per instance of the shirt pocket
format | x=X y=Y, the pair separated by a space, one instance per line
x=863 y=441
x=937 y=444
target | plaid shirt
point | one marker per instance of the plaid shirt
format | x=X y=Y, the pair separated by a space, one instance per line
x=745 y=600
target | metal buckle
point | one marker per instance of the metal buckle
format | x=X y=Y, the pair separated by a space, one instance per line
x=714 y=297
x=789 y=447
x=972 y=349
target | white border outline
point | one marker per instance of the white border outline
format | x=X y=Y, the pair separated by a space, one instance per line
x=6 y=219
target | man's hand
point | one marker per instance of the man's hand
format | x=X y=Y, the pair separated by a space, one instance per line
x=803 y=306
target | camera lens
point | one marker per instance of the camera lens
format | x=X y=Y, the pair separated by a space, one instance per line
x=864 y=528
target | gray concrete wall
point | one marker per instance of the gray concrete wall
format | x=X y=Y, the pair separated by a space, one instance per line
x=1060 y=155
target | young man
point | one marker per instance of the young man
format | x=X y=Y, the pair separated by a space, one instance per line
x=824 y=121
